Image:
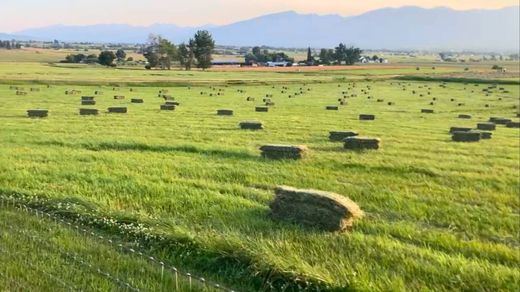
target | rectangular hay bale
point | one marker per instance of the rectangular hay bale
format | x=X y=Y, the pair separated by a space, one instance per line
x=361 y=143
x=261 y=109
x=315 y=209
x=486 y=126
x=118 y=109
x=167 y=107
x=251 y=125
x=367 y=117
x=466 y=136
x=88 y=111
x=37 y=113
x=275 y=151
x=224 y=112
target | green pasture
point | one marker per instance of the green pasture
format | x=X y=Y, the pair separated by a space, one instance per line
x=440 y=215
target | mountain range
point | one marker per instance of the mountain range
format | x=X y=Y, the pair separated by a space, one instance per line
x=389 y=28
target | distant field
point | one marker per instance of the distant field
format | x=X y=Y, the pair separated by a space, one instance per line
x=440 y=215
x=31 y=72
x=47 y=55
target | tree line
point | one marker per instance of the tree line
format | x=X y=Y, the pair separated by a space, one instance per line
x=339 y=55
x=105 y=58
x=161 y=53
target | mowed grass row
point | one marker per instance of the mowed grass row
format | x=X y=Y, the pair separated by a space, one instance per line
x=439 y=215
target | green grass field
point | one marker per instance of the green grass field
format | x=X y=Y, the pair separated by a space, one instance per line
x=440 y=215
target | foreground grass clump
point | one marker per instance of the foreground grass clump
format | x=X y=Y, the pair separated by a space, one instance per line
x=439 y=215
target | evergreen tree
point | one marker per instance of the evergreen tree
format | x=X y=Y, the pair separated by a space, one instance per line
x=203 y=45
x=310 y=59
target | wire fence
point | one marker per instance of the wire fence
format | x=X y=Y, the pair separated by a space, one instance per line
x=171 y=277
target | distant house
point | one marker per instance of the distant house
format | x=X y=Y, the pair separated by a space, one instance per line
x=226 y=63
x=277 y=64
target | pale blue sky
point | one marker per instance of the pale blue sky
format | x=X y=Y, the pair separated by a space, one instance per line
x=20 y=14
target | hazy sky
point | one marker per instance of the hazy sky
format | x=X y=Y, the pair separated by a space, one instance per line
x=20 y=14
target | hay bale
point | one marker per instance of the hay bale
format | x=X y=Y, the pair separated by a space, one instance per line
x=380 y=100
x=269 y=103
x=21 y=93
x=35 y=89
x=367 y=117
x=88 y=111
x=360 y=143
x=390 y=103
x=249 y=98
x=315 y=209
x=485 y=135
x=499 y=120
x=97 y=92
x=87 y=98
x=224 y=112
x=460 y=104
x=512 y=124
x=486 y=126
x=118 y=109
x=283 y=151
x=466 y=136
x=37 y=113
x=119 y=97
x=251 y=125
x=261 y=109
x=332 y=108
x=137 y=100
x=427 y=111
x=340 y=135
x=464 y=116
x=88 y=102
x=167 y=107
x=168 y=97
x=459 y=129
x=176 y=103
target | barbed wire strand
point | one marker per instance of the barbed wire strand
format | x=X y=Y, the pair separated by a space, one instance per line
x=59 y=220
x=77 y=259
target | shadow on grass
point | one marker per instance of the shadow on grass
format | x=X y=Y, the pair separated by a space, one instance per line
x=130 y=146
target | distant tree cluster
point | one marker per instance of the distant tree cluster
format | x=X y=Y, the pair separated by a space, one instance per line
x=259 y=55
x=9 y=45
x=161 y=53
x=105 y=58
x=339 y=55
x=81 y=58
